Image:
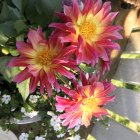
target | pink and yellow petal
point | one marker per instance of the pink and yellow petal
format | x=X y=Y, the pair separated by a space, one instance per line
x=23 y=75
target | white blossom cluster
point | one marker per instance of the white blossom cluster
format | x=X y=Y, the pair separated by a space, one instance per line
x=76 y=137
x=39 y=138
x=61 y=135
x=55 y=122
x=78 y=125
x=24 y=136
x=28 y=114
x=6 y=99
x=33 y=98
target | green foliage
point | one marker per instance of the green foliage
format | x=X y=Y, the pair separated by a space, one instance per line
x=86 y=68
x=9 y=13
x=130 y=56
x=137 y=29
x=122 y=84
x=8 y=17
x=8 y=73
x=3 y=40
x=18 y=4
x=124 y=121
x=43 y=11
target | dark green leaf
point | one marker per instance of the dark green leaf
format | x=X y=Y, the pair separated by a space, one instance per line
x=3 y=39
x=137 y=29
x=20 y=26
x=43 y=11
x=8 y=29
x=8 y=73
x=18 y=4
x=8 y=13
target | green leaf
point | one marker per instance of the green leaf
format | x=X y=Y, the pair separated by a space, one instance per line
x=20 y=26
x=43 y=11
x=130 y=56
x=8 y=73
x=86 y=68
x=90 y=137
x=8 y=29
x=137 y=29
x=8 y=13
x=24 y=89
x=3 y=39
x=124 y=121
x=48 y=7
x=18 y=4
x=13 y=51
x=122 y=84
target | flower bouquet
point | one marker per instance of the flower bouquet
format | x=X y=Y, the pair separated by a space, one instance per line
x=58 y=70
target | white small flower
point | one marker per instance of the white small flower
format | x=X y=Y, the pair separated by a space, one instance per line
x=77 y=128
x=39 y=138
x=79 y=122
x=52 y=122
x=61 y=135
x=87 y=75
x=6 y=99
x=80 y=83
x=59 y=110
x=58 y=120
x=54 y=117
x=31 y=114
x=33 y=98
x=76 y=137
x=23 y=136
x=50 y=113
x=69 y=82
x=70 y=132
x=57 y=127
x=23 y=110
x=97 y=119
x=55 y=120
x=15 y=120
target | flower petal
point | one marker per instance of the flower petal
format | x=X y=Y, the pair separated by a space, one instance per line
x=65 y=72
x=34 y=37
x=23 y=75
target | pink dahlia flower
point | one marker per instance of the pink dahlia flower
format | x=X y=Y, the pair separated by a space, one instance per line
x=90 y=27
x=42 y=61
x=84 y=102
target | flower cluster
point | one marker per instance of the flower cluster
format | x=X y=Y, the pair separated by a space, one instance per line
x=28 y=114
x=55 y=122
x=85 y=35
x=23 y=136
x=6 y=99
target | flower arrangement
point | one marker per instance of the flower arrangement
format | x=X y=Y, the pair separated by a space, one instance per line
x=62 y=69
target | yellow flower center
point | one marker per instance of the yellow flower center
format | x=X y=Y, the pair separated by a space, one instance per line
x=87 y=29
x=45 y=56
x=88 y=104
